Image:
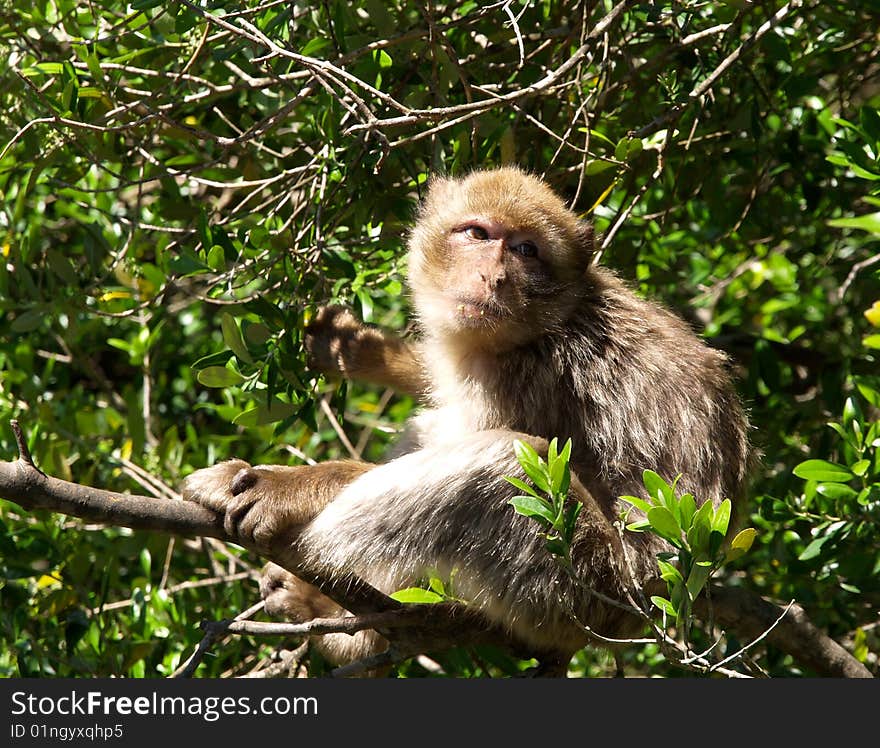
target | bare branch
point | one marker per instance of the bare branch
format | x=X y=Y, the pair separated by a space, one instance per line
x=751 y=616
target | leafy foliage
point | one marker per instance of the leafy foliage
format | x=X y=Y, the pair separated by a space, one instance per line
x=697 y=535
x=550 y=508
x=183 y=184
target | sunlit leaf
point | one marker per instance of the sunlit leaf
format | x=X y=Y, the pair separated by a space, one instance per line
x=823 y=470
x=416 y=595
x=219 y=376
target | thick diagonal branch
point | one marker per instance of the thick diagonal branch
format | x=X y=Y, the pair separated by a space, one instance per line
x=23 y=483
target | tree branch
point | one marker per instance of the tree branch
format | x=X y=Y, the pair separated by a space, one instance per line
x=426 y=627
x=412 y=628
x=22 y=482
x=750 y=615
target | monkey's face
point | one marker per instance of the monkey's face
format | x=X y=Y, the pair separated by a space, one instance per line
x=496 y=259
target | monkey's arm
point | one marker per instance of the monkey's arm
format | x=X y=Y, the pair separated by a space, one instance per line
x=337 y=343
x=264 y=503
x=436 y=510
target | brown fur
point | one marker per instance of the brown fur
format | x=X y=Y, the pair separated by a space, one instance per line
x=522 y=338
x=338 y=344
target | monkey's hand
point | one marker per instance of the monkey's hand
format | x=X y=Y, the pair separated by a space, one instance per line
x=338 y=344
x=336 y=341
x=258 y=504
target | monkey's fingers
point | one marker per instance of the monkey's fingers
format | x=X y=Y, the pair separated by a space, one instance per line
x=212 y=487
x=330 y=339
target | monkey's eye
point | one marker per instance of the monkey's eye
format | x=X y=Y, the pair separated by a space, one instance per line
x=526 y=249
x=476 y=232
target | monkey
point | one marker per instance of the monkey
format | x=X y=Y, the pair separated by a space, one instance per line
x=522 y=336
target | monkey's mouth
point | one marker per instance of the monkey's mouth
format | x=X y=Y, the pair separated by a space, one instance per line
x=475 y=312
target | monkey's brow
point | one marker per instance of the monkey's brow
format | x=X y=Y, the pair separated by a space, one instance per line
x=530 y=229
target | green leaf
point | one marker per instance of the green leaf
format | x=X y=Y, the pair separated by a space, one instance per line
x=28 y=321
x=560 y=476
x=721 y=518
x=216 y=258
x=850 y=410
x=636 y=502
x=552 y=452
x=665 y=524
x=384 y=59
x=597 y=166
x=219 y=376
x=62 y=267
x=521 y=485
x=837 y=491
x=860 y=468
x=639 y=526
x=51 y=68
x=121 y=344
x=814 y=548
x=186 y=263
x=822 y=470
x=634 y=148
x=570 y=518
x=744 y=539
x=664 y=605
x=532 y=464
x=842 y=433
x=701 y=527
x=314 y=46
x=262 y=414
x=529 y=506
x=697 y=579
x=688 y=508
x=869 y=387
x=565 y=454
x=525 y=453
x=869 y=222
x=365 y=302
x=669 y=572
x=622 y=149
x=716 y=540
x=657 y=488
x=232 y=337
x=255 y=333
x=416 y=595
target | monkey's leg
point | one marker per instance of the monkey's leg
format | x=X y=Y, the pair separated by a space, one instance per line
x=338 y=344
x=288 y=596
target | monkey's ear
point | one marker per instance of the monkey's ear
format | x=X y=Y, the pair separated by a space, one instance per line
x=586 y=241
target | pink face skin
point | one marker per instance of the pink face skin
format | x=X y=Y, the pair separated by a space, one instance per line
x=488 y=256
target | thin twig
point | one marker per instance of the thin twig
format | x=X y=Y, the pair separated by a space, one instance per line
x=24 y=453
